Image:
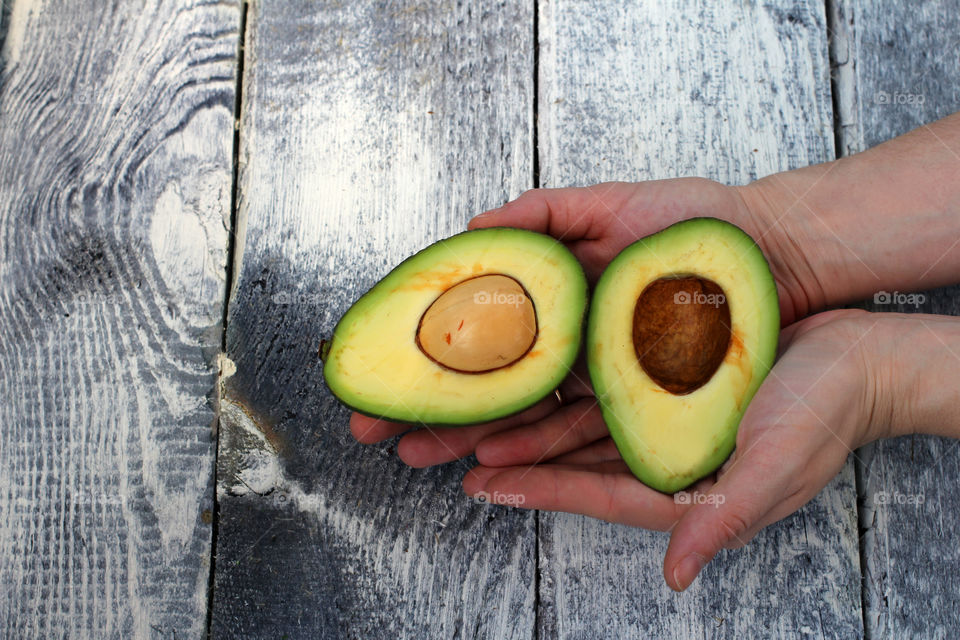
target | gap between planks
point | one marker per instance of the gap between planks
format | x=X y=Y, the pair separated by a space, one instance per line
x=232 y=268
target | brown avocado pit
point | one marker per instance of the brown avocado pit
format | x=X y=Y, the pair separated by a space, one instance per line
x=480 y=324
x=681 y=331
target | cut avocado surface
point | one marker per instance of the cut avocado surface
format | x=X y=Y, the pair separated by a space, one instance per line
x=683 y=328
x=473 y=328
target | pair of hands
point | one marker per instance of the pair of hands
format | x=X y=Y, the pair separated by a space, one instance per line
x=813 y=409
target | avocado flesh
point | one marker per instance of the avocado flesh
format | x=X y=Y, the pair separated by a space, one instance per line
x=376 y=365
x=672 y=439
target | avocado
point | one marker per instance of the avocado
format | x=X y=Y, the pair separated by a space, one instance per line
x=473 y=328
x=683 y=328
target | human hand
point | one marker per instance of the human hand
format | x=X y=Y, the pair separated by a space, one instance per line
x=813 y=407
x=596 y=223
x=818 y=404
x=599 y=221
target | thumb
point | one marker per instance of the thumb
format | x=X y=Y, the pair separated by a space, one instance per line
x=728 y=516
x=567 y=214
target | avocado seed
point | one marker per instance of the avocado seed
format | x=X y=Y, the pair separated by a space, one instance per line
x=479 y=325
x=681 y=331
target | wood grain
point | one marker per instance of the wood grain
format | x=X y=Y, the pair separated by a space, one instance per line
x=116 y=124
x=729 y=91
x=369 y=130
x=899 y=69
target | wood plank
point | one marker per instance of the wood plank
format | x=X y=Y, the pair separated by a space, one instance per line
x=729 y=91
x=116 y=131
x=368 y=131
x=899 y=69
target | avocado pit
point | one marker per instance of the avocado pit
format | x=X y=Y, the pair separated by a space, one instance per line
x=480 y=324
x=681 y=331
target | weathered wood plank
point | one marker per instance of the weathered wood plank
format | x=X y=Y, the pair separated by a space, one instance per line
x=729 y=91
x=116 y=129
x=899 y=68
x=368 y=131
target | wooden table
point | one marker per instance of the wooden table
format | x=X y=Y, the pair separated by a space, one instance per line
x=192 y=193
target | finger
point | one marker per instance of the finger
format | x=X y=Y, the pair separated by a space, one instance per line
x=605 y=466
x=600 y=451
x=614 y=497
x=743 y=497
x=475 y=480
x=567 y=429
x=370 y=430
x=437 y=445
x=480 y=474
x=568 y=214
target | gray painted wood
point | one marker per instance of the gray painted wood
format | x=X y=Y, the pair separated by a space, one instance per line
x=899 y=68
x=729 y=91
x=116 y=127
x=368 y=131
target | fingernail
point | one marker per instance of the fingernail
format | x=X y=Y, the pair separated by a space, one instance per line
x=687 y=570
x=477 y=218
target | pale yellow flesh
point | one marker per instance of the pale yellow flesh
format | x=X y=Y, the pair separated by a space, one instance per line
x=674 y=434
x=479 y=325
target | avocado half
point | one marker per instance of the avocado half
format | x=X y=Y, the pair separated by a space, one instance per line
x=683 y=328
x=473 y=328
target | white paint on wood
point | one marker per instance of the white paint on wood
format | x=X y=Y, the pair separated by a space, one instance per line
x=116 y=136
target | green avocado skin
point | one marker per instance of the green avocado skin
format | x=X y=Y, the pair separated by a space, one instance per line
x=369 y=302
x=601 y=379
